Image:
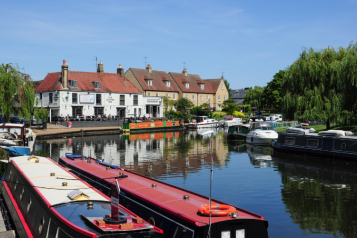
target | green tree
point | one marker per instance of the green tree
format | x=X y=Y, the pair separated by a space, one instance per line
x=230 y=106
x=321 y=86
x=272 y=94
x=254 y=97
x=183 y=105
x=14 y=89
x=228 y=87
x=199 y=111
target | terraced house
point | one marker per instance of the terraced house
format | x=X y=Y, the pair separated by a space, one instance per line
x=199 y=91
x=154 y=83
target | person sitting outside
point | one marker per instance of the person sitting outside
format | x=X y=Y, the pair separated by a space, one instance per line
x=78 y=118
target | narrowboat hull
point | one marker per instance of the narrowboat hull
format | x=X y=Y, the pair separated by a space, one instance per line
x=165 y=205
x=37 y=210
x=334 y=148
x=156 y=126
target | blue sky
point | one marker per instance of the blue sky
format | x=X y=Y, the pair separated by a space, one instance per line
x=247 y=40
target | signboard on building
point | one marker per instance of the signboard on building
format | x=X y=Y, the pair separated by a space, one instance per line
x=153 y=100
x=86 y=98
x=110 y=99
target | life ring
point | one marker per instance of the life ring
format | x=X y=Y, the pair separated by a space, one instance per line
x=218 y=210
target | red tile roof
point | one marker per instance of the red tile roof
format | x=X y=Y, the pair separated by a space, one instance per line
x=158 y=78
x=36 y=84
x=193 y=80
x=109 y=82
x=214 y=82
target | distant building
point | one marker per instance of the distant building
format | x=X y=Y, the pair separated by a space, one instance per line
x=238 y=95
x=92 y=93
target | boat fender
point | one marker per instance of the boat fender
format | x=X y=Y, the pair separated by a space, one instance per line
x=218 y=210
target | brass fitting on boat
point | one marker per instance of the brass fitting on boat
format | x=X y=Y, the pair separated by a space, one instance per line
x=37 y=161
x=64 y=184
x=153 y=185
x=121 y=173
x=186 y=197
x=108 y=168
x=52 y=174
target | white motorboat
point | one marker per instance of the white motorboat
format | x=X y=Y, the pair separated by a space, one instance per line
x=230 y=120
x=202 y=122
x=300 y=130
x=261 y=133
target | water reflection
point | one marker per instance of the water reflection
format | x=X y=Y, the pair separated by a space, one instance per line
x=298 y=196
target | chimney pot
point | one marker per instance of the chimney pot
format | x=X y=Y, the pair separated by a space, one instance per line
x=148 y=68
x=184 y=71
x=120 y=71
x=100 y=69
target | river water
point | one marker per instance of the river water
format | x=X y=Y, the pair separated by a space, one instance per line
x=298 y=196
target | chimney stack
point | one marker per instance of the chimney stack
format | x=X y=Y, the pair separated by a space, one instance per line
x=27 y=78
x=120 y=71
x=100 y=69
x=184 y=71
x=65 y=74
x=148 y=68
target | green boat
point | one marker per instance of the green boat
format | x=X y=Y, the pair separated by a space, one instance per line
x=331 y=144
x=238 y=132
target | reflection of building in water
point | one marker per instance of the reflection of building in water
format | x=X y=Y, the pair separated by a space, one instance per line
x=319 y=195
x=260 y=157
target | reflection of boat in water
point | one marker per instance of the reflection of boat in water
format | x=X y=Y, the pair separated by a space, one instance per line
x=259 y=156
x=45 y=200
x=172 y=209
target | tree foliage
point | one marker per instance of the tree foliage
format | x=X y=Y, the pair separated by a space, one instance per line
x=228 y=87
x=254 y=97
x=199 y=111
x=168 y=103
x=183 y=105
x=321 y=85
x=14 y=91
x=272 y=94
x=230 y=106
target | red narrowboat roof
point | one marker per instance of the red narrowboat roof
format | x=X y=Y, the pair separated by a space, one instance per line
x=165 y=196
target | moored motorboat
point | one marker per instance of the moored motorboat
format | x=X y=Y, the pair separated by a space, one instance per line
x=45 y=200
x=202 y=122
x=17 y=139
x=230 y=120
x=175 y=210
x=261 y=133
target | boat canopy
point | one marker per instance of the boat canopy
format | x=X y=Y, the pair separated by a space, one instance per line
x=228 y=117
x=261 y=126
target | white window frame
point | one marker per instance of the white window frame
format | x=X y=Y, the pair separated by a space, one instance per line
x=187 y=85
x=193 y=97
x=168 y=83
x=174 y=96
x=219 y=98
x=149 y=82
x=187 y=96
x=202 y=86
x=167 y=95
x=222 y=87
x=207 y=98
x=201 y=98
x=225 y=97
x=96 y=84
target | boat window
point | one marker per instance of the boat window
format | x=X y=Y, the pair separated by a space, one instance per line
x=42 y=224
x=290 y=141
x=15 y=186
x=15 y=130
x=29 y=206
x=22 y=193
x=312 y=143
x=4 y=129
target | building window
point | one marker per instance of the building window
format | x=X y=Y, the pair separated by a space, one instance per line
x=73 y=83
x=74 y=98
x=98 y=98
x=193 y=97
x=40 y=95
x=149 y=82
x=96 y=84
x=187 y=96
x=157 y=94
x=207 y=98
x=168 y=83
x=219 y=98
x=135 y=112
x=167 y=95
x=187 y=85
x=139 y=112
x=202 y=86
x=50 y=97
x=122 y=99
x=225 y=97
x=174 y=96
x=135 y=100
x=201 y=97
x=149 y=94
x=222 y=87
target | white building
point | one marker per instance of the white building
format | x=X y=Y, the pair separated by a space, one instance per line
x=91 y=93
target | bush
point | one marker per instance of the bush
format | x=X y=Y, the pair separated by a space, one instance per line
x=239 y=114
x=219 y=114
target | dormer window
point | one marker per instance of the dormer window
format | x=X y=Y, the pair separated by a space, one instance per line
x=202 y=86
x=96 y=84
x=73 y=83
x=167 y=83
x=149 y=82
x=187 y=85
